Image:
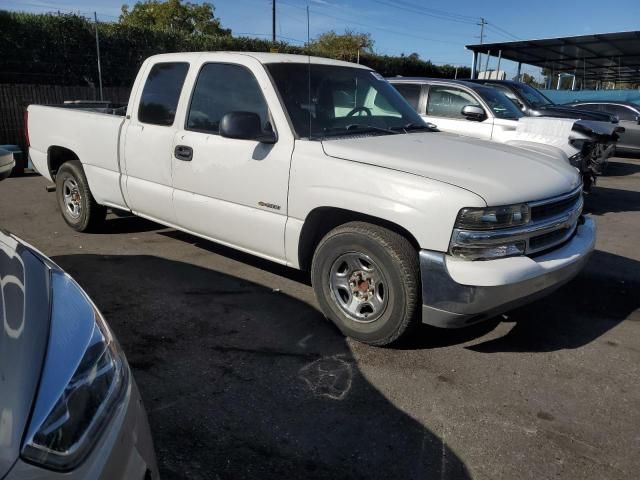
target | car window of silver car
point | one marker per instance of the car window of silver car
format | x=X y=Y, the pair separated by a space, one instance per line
x=620 y=111
x=445 y=101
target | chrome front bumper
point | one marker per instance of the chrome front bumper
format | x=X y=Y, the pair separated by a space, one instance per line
x=458 y=293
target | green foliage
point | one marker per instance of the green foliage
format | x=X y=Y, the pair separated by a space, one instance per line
x=60 y=50
x=174 y=16
x=342 y=46
x=529 y=80
x=411 y=67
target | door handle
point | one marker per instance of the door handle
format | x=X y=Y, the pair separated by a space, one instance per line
x=184 y=153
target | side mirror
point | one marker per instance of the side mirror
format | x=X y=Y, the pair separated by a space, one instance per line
x=245 y=126
x=473 y=112
x=638 y=119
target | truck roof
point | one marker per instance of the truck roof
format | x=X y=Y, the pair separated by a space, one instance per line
x=262 y=57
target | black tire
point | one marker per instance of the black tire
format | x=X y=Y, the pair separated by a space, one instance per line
x=88 y=214
x=397 y=260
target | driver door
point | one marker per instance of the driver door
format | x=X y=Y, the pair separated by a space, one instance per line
x=230 y=190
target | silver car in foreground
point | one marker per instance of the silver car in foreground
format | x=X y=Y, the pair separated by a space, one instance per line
x=7 y=163
x=69 y=407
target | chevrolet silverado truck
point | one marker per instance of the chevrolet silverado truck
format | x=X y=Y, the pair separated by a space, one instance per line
x=321 y=165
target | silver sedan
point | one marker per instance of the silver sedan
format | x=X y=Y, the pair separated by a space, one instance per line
x=69 y=407
x=629 y=117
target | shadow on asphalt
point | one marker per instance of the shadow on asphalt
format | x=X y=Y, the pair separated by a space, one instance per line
x=630 y=155
x=621 y=169
x=237 y=255
x=602 y=296
x=243 y=382
x=603 y=200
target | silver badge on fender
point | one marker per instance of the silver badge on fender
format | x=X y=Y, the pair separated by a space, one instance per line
x=269 y=205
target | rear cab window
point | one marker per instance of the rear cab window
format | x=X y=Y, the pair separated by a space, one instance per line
x=161 y=93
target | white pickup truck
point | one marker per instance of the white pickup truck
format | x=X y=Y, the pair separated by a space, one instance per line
x=321 y=165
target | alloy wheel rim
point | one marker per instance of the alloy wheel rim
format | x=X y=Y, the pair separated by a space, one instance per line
x=72 y=198
x=359 y=287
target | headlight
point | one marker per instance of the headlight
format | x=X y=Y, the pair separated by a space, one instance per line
x=83 y=379
x=493 y=217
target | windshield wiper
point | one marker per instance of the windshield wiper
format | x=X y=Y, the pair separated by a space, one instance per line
x=413 y=126
x=356 y=128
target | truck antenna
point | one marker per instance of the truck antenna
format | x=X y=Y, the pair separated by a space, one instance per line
x=309 y=68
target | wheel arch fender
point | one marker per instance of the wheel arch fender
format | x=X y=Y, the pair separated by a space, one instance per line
x=323 y=219
x=57 y=155
x=421 y=209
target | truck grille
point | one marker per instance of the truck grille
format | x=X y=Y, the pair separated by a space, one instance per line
x=561 y=214
x=546 y=210
x=547 y=240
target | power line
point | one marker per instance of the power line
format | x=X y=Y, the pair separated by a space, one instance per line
x=502 y=31
x=420 y=11
x=440 y=12
x=375 y=27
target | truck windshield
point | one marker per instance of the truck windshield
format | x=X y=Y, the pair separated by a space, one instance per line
x=533 y=97
x=328 y=101
x=500 y=104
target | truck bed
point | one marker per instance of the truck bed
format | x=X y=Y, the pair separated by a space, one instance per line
x=92 y=134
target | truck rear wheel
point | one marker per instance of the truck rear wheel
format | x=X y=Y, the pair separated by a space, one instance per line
x=367 y=281
x=77 y=205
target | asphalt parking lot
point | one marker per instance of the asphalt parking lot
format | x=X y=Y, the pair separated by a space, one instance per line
x=243 y=378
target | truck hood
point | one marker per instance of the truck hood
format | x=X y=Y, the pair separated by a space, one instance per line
x=500 y=174
x=24 y=297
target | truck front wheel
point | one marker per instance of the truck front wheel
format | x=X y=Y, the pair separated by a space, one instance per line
x=367 y=281
x=77 y=205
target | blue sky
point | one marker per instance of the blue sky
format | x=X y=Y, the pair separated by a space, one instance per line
x=436 y=30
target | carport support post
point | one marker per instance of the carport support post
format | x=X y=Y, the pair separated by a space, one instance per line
x=474 y=64
x=519 y=72
x=573 y=82
x=498 y=67
x=486 y=65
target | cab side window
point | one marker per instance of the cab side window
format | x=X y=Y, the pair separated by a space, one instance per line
x=161 y=93
x=448 y=101
x=222 y=88
x=411 y=93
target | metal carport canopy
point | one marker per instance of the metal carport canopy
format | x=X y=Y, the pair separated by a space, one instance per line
x=604 y=56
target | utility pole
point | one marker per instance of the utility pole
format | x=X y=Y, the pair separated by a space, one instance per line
x=482 y=23
x=95 y=17
x=273 y=21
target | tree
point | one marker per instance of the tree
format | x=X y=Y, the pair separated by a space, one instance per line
x=529 y=80
x=174 y=16
x=344 y=46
